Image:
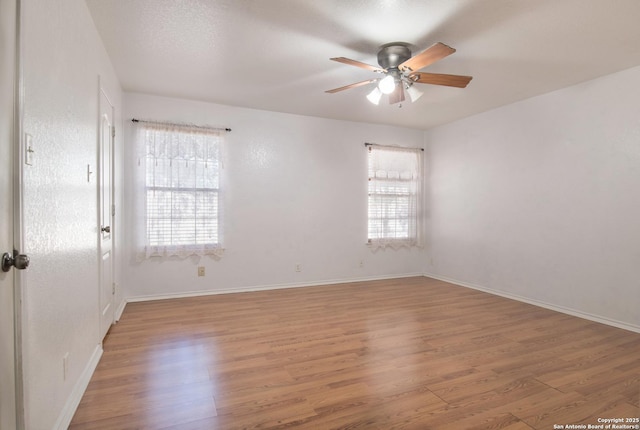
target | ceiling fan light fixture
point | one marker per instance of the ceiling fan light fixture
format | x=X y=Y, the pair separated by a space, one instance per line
x=414 y=93
x=398 y=67
x=375 y=96
x=387 y=85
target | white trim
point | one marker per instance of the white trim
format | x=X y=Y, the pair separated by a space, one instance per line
x=64 y=419
x=557 y=308
x=109 y=113
x=266 y=287
x=120 y=310
x=19 y=282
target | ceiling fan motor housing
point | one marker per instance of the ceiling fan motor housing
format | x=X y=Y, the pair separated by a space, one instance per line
x=391 y=55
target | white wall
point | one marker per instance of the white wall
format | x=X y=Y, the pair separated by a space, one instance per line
x=63 y=58
x=538 y=200
x=294 y=193
x=541 y=199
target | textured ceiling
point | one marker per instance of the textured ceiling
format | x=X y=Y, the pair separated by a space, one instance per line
x=274 y=54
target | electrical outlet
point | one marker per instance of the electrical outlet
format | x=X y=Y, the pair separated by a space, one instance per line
x=200 y=270
x=298 y=267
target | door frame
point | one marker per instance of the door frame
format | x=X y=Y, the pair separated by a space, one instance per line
x=18 y=218
x=18 y=153
x=102 y=92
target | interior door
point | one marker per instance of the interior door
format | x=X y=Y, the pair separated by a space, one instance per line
x=7 y=327
x=105 y=209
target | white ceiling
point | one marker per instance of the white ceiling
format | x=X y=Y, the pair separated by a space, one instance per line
x=274 y=54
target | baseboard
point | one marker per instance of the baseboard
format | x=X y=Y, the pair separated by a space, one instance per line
x=64 y=419
x=120 y=310
x=550 y=306
x=266 y=287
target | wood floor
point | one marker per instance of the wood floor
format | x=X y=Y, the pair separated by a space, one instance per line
x=413 y=353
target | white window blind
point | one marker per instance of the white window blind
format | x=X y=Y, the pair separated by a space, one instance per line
x=395 y=197
x=182 y=190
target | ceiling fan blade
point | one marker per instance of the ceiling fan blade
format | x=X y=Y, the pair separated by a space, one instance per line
x=358 y=64
x=458 y=81
x=397 y=95
x=434 y=53
x=346 y=87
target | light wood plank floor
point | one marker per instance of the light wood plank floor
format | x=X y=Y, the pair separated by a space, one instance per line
x=413 y=353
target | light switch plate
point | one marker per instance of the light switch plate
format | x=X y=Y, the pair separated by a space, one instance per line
x=28 y=151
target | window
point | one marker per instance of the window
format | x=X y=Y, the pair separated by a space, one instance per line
x=182 y=190
x=394 y=196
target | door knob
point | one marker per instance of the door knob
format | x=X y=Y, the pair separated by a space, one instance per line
x=106 y=229
x=20 y=261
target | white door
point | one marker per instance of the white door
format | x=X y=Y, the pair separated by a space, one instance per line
x=105 y=208
x=7 y=327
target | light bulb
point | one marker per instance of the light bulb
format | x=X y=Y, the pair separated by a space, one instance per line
x=414 y=93
x=374 y=96
x=387 y=85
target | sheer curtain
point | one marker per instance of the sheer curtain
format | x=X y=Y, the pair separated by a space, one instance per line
x=178 y=191
x=395 y=197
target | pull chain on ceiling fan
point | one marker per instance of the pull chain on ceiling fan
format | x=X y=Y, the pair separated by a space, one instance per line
x=401 y=72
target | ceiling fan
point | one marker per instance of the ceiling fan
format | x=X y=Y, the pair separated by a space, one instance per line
x=401 y=72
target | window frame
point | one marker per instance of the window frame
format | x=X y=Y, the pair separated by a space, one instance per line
x=194 y=191
x=395 y=230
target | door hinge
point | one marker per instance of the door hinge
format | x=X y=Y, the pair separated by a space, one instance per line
x=113 y=132
x=113 y=288
x=113 y=210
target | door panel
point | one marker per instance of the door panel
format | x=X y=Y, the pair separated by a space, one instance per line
x=107 y=312
x=7 y=328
